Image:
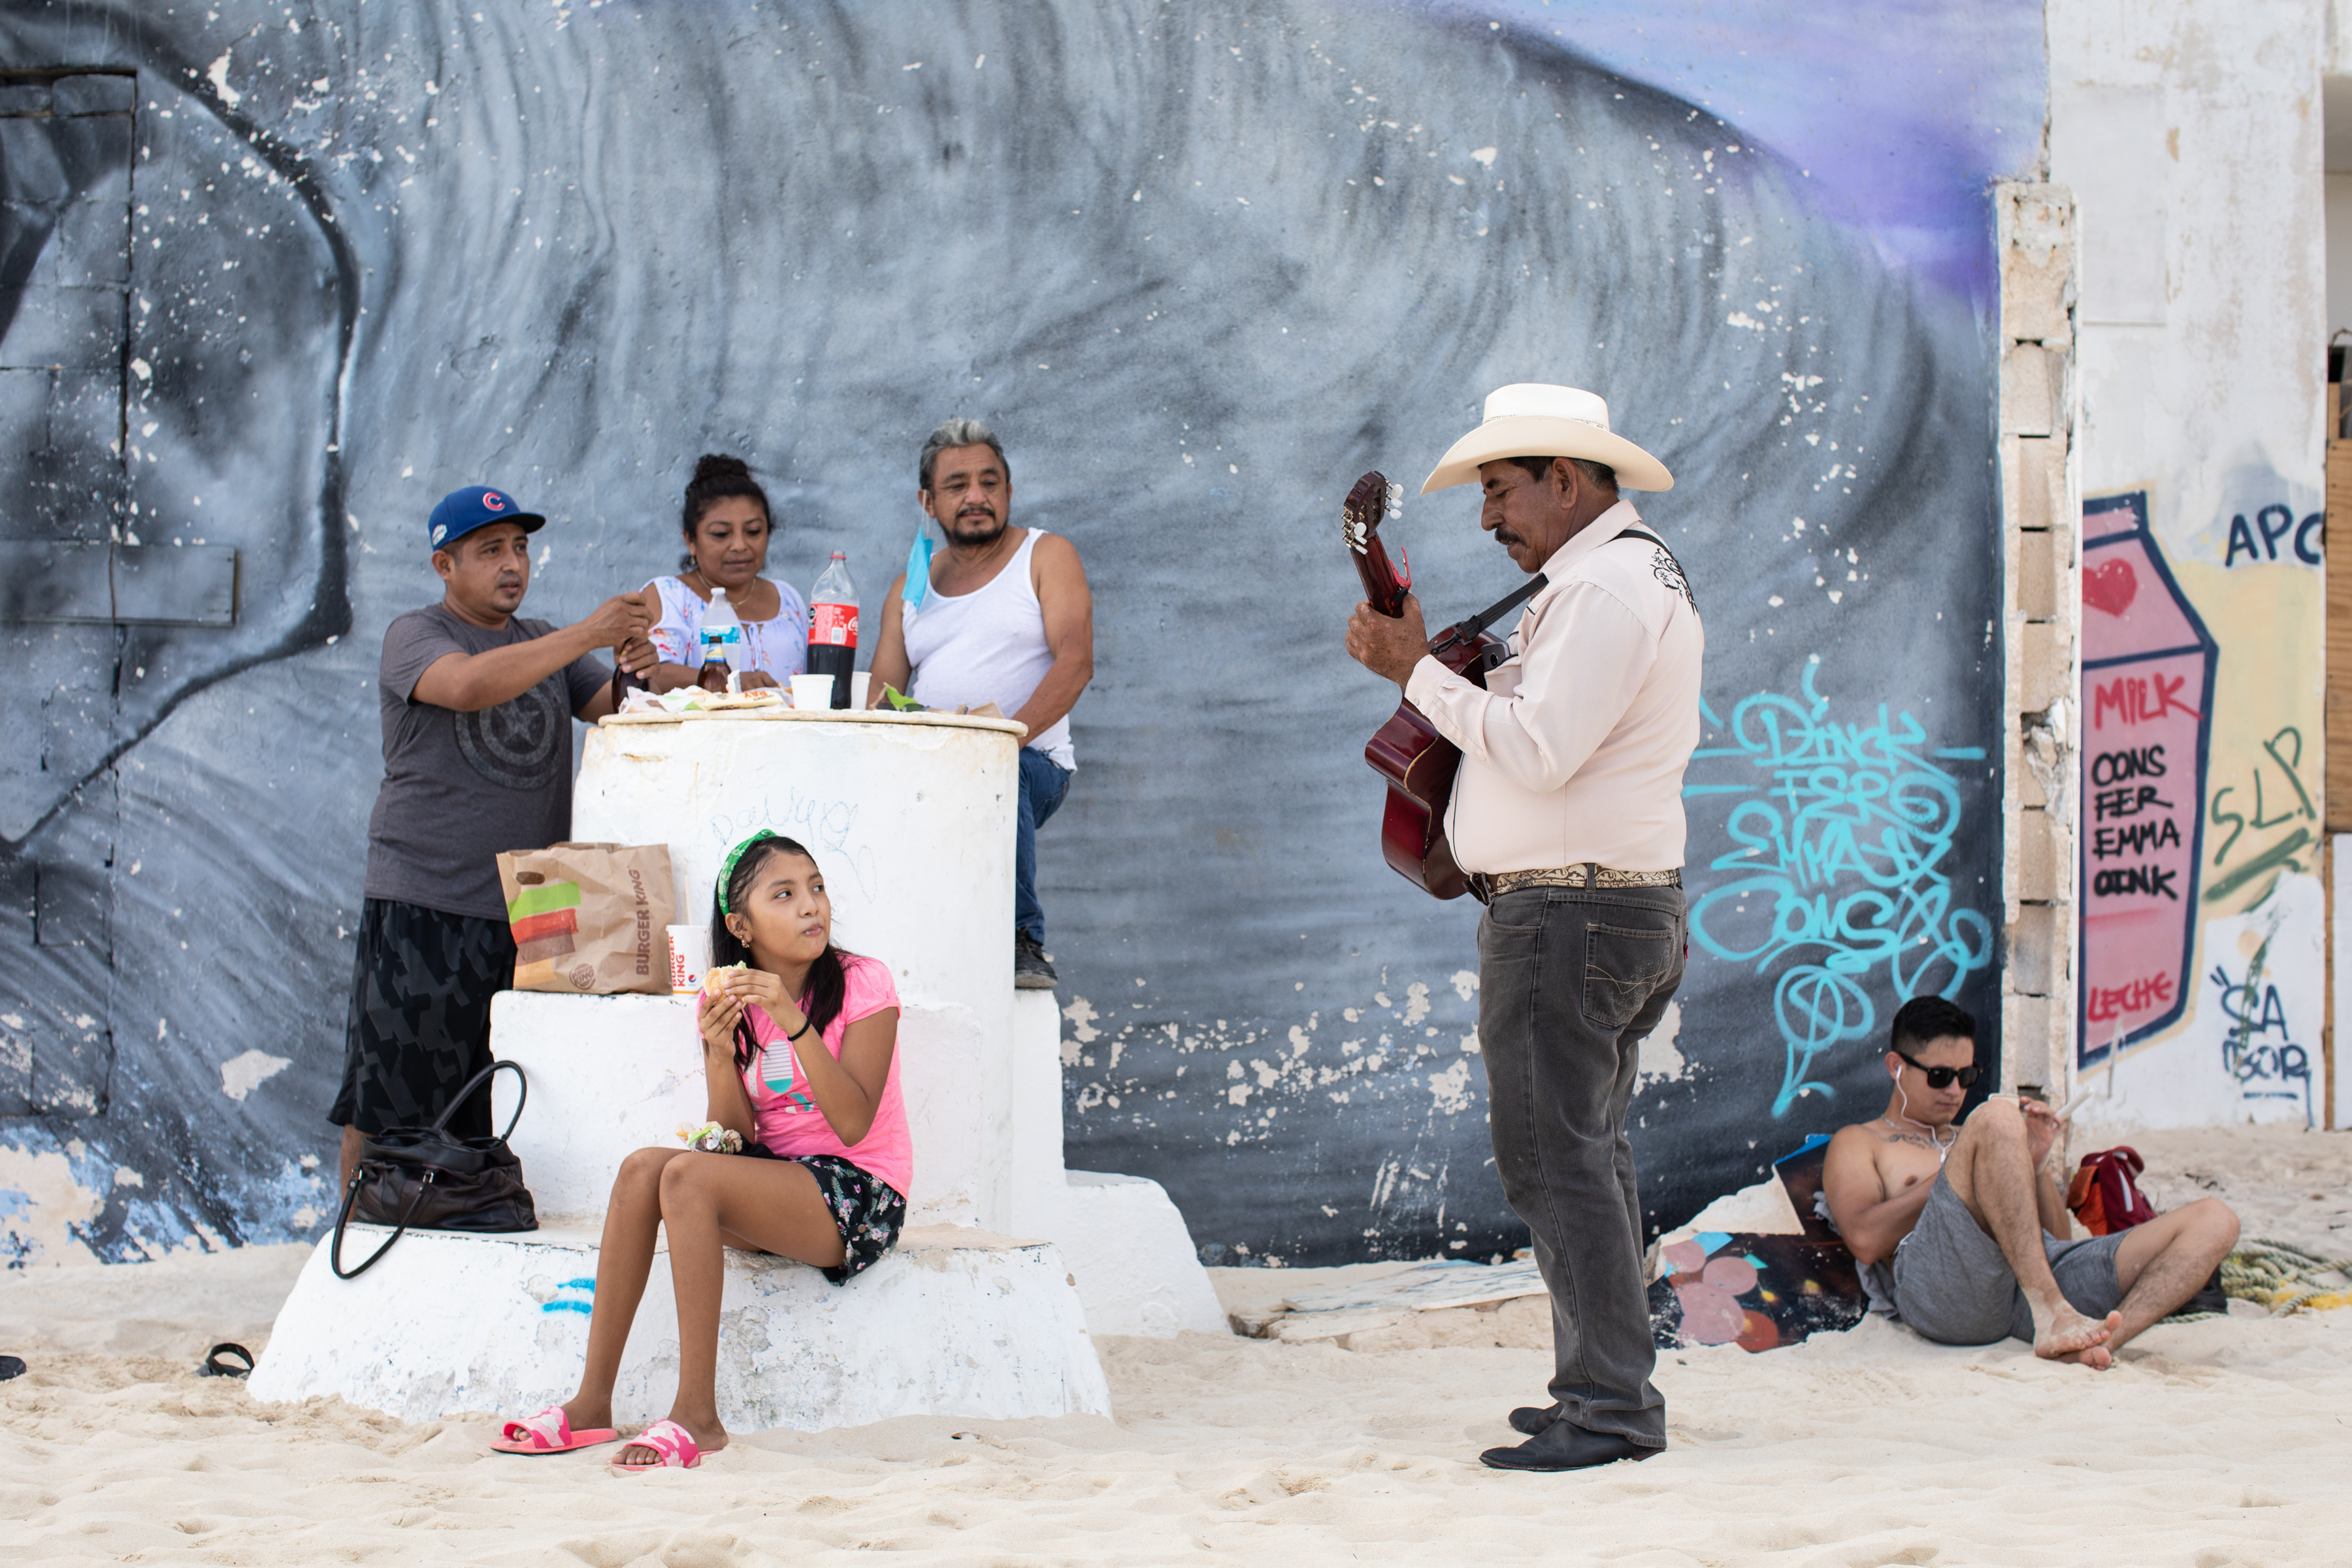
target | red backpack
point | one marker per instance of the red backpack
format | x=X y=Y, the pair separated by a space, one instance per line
x=2103 y=1194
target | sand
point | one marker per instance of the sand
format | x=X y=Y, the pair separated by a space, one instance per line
x=2228 y=1441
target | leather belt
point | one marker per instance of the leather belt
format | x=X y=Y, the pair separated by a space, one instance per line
x=1488 y=888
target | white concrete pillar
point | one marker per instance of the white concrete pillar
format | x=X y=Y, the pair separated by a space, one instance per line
x=910 y=817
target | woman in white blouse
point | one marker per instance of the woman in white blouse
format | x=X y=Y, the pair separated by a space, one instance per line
x=727 y=526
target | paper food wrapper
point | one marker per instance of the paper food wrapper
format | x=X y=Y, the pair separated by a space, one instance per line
x=589 y=919
x=694 y=700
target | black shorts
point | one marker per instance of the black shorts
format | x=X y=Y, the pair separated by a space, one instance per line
x=867 y=1211
x=421 y=982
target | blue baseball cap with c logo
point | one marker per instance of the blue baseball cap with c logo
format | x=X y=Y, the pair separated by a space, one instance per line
x=476 y=506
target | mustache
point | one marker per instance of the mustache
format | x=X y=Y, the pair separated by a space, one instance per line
x=1505 y=538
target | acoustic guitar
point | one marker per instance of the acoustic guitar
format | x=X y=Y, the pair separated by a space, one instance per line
x=1417 y=763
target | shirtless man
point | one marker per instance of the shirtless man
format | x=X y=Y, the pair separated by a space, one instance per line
x=1964 y=1232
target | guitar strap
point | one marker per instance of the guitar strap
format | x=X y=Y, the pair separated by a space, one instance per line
x=1469 y=630
x=1671 y=573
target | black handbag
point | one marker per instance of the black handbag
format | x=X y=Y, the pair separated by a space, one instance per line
x=428 y=1179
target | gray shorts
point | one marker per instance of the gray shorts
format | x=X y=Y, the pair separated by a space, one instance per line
x=1953 y=1285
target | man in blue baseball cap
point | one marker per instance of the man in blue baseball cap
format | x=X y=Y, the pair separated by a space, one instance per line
x=477 y=704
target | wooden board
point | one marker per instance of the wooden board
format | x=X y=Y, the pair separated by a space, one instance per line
x=2337 y=804
x=1427 y=1287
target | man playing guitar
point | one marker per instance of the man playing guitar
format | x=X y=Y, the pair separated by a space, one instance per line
x=1567 y=812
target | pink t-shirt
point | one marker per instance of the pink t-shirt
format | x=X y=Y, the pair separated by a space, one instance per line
x=786 y=1113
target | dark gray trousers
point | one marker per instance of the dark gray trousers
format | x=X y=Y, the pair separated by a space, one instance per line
x=1570 y=980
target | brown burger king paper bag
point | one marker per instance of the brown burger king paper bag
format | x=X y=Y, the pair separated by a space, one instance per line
x=589 y=918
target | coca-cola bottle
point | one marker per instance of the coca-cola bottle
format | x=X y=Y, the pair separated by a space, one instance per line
x=833 y=627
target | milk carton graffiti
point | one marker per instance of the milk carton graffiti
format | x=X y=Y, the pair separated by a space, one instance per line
x=2147 y=678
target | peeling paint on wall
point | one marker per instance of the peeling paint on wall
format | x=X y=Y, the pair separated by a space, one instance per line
x=242 y=1074
x=42 y=1203
x=1659 y=1062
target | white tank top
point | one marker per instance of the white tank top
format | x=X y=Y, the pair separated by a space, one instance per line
x=988 y=646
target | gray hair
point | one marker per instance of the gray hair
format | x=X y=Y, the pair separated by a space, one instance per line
x=1600 y=474
x=957 y=433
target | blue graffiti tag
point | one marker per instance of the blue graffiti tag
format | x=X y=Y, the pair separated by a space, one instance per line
x=1843 y=853
x=565 y=1302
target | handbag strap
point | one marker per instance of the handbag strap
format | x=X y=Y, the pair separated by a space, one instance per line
x=350 y=1196
x=522 y=1082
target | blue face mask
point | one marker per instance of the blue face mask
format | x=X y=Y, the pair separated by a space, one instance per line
x=919 y=572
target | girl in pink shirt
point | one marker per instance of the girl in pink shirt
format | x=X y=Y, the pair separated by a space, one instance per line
x=800 y=1055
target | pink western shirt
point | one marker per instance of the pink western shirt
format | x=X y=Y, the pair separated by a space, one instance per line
x=1575 y=752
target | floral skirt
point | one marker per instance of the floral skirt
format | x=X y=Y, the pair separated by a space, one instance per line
x=867 y=1211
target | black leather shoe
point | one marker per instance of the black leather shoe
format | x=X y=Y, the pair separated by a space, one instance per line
x=1565 y=1445
x=1031 y=968
x=1532 y=1419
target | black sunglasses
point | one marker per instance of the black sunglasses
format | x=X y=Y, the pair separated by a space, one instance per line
x=1941 y=1077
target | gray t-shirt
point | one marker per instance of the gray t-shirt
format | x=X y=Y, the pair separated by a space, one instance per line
x=459 y=787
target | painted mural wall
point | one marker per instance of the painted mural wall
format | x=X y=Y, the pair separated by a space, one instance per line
x=2204 y=910
x=2190 y=137
x=276 y=279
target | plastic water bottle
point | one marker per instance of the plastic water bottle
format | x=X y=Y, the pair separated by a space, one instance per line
x=721 y=639
x=833 y=627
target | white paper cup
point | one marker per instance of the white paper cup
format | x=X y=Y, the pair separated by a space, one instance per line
x=690 y=959
x=860 y=684
x=813 y=693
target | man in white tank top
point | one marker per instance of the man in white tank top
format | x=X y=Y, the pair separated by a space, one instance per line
x=1003 y=616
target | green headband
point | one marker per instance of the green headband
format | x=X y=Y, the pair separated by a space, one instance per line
x=727 y=872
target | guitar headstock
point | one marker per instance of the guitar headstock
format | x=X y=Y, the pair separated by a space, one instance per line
x=1372 y=500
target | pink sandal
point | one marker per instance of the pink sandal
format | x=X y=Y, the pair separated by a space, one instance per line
x=673 y=1442
x=548 y=1432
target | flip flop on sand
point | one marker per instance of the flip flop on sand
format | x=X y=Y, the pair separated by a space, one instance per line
x=548 y=1432
x=217 y=1365
x=673 y=1442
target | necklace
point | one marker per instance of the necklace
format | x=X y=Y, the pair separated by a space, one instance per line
x=1941 y=1146
x=708 y=583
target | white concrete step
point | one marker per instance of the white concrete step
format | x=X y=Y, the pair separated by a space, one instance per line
x=956 y=1321
x=613 y=1074
x=1134 y=1260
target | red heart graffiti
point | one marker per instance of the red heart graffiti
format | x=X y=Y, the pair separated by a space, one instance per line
x=2110 y=587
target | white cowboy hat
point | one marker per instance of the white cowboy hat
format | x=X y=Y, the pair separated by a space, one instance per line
x=1533 y=420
